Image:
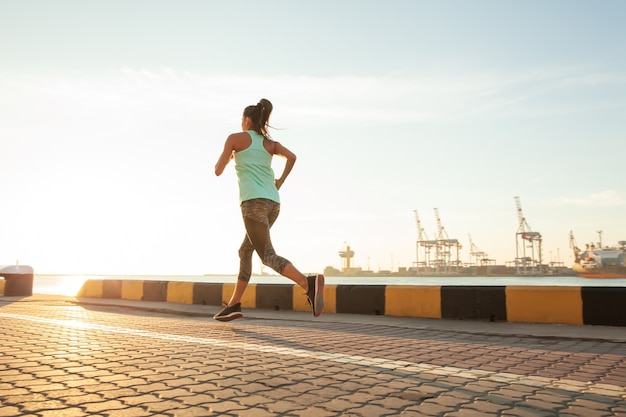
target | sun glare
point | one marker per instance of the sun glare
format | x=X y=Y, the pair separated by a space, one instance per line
x=67 y=285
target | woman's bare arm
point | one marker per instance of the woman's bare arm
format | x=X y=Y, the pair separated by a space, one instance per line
x=282 y=151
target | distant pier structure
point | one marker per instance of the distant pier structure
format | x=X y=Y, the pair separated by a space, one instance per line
x=527 y=246
x=346 y=256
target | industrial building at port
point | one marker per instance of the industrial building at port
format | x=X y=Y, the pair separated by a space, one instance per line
x=441 y=256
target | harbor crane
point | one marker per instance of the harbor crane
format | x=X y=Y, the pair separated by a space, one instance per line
x=425 y=245
x=444 y=248
x=475 y=253
x=574 y=246
x=527 y=246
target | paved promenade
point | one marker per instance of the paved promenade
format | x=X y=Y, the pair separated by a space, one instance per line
x=63 y=356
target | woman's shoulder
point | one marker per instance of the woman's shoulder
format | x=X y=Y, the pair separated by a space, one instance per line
x=239 y=140
x=239 y=135
x=270 y=145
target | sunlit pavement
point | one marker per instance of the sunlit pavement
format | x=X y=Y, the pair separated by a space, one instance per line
x=67 y=357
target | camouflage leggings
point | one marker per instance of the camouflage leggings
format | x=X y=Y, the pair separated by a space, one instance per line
x=258 y=216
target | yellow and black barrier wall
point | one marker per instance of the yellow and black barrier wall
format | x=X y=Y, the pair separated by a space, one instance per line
x=527 y=304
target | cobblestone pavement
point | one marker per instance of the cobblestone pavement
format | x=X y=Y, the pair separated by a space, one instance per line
x=63 y=359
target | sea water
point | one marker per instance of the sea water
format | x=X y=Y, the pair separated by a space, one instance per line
x=71 y=284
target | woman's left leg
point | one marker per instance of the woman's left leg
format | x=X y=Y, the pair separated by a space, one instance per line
x=246 y=250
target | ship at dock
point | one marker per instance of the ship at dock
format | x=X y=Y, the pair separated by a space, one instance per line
x=597 y=261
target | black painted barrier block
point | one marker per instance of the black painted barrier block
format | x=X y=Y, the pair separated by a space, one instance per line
x=604 y=305
x=154 y=291
x=361 y=299
x=207 y=293
x=112 y=288
x=274 y=296
x=473 y=302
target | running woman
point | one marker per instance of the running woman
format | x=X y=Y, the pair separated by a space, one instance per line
x=253 y=149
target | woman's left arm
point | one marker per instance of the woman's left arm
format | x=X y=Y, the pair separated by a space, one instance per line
x=280 y=150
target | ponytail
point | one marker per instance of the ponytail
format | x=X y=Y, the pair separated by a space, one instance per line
x=260 y=115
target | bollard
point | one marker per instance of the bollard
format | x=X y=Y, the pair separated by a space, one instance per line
x=18 y=280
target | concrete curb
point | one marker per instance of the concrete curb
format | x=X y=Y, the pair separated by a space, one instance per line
x=604 y=306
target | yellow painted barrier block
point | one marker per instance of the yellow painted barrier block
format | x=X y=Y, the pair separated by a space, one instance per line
x=248 y=300
x=535 y=304
x=330 y=299
x=132 y=290
x=413 y=301
x=300 y=302
x=92 y=288
x=180 y=292
x=299 y=299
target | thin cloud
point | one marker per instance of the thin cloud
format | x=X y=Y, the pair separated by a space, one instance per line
x=166 y=93
x=602 y=199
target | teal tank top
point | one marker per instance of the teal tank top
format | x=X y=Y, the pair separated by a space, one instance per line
x=254 y=171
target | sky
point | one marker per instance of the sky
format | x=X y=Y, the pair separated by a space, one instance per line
x=113 y=114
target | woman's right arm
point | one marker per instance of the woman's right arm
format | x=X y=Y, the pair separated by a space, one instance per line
x=227 y=154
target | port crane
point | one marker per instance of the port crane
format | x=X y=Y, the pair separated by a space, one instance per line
x=527 y=246
x=423 y=245
x=475 y=253
x=444 y=250
x=574 y=246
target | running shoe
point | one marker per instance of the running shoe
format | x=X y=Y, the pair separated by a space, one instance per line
x=315 y=293
x=229 y=313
